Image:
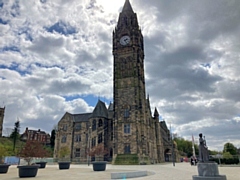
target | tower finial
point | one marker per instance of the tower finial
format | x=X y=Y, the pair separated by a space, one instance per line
x=127 y=6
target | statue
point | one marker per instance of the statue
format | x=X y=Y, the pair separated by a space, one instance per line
x=203 y=149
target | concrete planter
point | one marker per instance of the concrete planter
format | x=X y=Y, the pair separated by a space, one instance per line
x=41 y=164
x=99 y=165
x=27 y=171
x=4 y=168
x=64 y=165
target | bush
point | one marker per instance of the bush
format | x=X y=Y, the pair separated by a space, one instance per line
x=226 y=161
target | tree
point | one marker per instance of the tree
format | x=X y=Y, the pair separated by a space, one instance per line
x=185 y=146
x=52 y=139
x=33 y=149
x=227 y=155
x=229 y=147
x=15 y=134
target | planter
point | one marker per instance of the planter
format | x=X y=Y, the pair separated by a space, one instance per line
x=64 y=165
x=41 y=164
x=99 y=165
x=4 y=168
x=27 y=171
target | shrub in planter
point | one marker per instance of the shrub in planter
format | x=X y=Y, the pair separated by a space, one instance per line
x=98 y=152
x=32 y=149
x=64 y=162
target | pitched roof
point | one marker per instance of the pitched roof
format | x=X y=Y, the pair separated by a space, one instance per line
x=81 y=117
x=100 y=110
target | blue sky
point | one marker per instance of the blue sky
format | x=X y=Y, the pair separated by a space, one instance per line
x=56 y=56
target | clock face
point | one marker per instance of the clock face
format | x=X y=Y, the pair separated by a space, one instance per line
x=125 y=40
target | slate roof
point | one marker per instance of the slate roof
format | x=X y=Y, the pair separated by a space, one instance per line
x=81 y=117
x=100 y=110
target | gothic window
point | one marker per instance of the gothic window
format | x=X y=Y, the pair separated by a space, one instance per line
x=64 y=139
x=99 y=138
x=127 y=149
x=100 y=123
x=64 y=127
x=94 y=125
x=127 y=128
x=126 y=113
x=78 y=127
x=77 y=152
x=78 y=138
x=93 y=141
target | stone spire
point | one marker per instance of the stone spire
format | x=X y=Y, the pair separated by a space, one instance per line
x=156 y=114
x=127 y=6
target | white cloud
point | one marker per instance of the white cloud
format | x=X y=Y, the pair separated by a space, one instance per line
x=191 y=62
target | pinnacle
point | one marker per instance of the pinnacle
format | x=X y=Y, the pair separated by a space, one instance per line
x=127 y=6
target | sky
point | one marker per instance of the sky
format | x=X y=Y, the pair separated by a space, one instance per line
x=56 y=57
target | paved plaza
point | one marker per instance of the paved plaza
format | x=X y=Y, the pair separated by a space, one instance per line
x=165 y=171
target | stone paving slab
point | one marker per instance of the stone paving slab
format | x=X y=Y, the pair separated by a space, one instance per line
x=165 y=171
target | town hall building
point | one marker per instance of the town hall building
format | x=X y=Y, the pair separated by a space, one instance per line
x=127 y=127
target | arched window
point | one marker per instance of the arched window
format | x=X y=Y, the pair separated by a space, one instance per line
x=126 y=113
x=94 y=125
x=100 y=123
x=100 y=138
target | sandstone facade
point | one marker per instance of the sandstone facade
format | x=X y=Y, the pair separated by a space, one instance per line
x=127 y=126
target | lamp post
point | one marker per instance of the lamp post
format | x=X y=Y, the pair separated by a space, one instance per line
x=89 y=140
x=173 y=161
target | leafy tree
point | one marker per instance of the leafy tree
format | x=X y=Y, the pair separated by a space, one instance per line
x=33 y=149
x=52 y=139
x=64 y=152
x=229 y=147
x=227 y=155
x=15 y=134
x=185 y=146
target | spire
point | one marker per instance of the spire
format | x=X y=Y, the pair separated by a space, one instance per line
x=127 y=6
x=156 y=114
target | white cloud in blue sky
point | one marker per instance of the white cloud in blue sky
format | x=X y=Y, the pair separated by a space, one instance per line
x=56 y=56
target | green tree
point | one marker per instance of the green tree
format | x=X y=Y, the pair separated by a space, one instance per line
x=227 y=155
x=185 y=146
x=15 y=134
x=52 y=139
x=229 y=147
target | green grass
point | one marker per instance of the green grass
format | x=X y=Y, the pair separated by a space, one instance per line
x=127 y=159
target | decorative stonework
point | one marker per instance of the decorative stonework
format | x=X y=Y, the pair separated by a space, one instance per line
x=128 y=125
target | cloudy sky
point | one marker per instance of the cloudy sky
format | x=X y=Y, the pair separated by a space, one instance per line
x=56 y=56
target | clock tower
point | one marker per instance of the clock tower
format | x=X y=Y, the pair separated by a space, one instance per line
x=130 y=118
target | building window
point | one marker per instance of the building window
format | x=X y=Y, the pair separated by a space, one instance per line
x=64 y=139
x=77 y=152
x=94 y=125
x=78 y=127
x=93 y=141
x=100 y=123
x=126 y=113
x=64 y=127
x=78 y=138
x=127 y=149
x=99 y=138
x=127 y=128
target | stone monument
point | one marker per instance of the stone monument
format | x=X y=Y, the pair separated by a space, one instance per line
x=207 y=170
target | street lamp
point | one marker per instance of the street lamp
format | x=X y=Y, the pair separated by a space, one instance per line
x=172 y=146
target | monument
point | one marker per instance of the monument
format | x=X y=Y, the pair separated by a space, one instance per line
x=206 y=169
